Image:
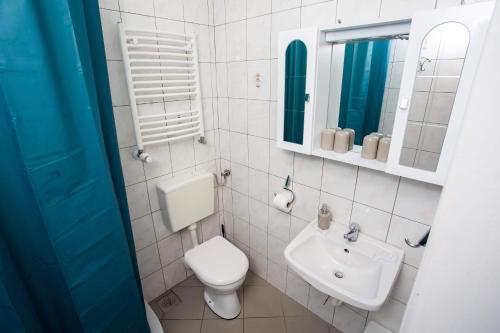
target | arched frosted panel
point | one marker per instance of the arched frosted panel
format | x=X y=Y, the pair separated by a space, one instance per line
x=295 y=91
x=439 y=69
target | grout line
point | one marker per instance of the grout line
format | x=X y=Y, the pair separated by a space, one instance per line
x=158 y=17
x=392 y=212
x=354 y=196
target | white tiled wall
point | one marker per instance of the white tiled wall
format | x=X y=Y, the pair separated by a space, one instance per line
x=387 y=207
x=238 y=40
x=159 y=252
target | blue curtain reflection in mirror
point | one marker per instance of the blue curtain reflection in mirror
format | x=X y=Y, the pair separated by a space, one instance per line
x=295 y=91
x=363 y=81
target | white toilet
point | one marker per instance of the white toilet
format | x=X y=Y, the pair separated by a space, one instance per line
x=218 y=264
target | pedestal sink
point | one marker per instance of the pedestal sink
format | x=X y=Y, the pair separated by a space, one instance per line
x=360 y=273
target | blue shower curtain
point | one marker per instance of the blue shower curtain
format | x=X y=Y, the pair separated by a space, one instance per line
x=363 y=81
x=67 y=260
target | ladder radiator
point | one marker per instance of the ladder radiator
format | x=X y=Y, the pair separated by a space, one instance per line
x=162 y=66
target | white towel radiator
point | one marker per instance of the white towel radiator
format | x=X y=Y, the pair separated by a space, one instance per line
x=162 y=66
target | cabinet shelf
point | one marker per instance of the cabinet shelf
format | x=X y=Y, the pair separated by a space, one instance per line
x=351 y=157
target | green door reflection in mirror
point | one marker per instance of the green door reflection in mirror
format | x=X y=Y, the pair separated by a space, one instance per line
x=295 y=91
x=365 y=79
x=363 y=85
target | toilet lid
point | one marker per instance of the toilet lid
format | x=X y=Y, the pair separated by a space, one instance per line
x=217 y=261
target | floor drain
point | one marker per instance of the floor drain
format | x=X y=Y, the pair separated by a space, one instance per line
x=167 y=301
x=339 y=275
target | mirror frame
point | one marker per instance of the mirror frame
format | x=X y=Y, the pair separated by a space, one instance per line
x=319 y=48
x=327 y=37
x=475 y=18
x=309 y=37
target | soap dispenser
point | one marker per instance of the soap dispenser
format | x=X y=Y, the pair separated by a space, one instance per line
x=324 y=217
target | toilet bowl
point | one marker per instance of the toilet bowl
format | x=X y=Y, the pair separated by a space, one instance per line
x=222 y=269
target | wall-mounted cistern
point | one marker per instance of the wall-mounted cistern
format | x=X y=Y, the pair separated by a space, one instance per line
x=353 y=233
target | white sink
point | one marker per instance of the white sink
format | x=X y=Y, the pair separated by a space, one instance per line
x=360 y=273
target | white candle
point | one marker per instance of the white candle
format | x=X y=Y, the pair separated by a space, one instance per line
x=370 y=144
x=352 y=135
x=383 y=149
x=327 y=138
x=341 y=144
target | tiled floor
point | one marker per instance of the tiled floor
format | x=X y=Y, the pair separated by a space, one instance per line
x=264 y=310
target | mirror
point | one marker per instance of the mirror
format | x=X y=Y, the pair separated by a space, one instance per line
x=295 y=91
x=364 y=84
x=441 y=59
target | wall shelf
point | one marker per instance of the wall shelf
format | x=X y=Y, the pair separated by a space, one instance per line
x=351 y=157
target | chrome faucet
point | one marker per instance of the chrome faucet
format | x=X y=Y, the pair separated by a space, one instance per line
x=352 y=234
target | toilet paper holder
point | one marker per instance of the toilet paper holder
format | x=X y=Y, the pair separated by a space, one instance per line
x=286 y=187
x=287 y=182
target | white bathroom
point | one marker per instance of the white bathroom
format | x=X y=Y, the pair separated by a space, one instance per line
x=257 y=166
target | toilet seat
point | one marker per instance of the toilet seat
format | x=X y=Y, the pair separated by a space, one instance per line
x=217 y=262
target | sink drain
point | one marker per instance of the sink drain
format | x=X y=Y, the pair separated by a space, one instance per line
x=338 y=275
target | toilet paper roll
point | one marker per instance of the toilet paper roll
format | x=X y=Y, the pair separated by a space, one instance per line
x=284 y=200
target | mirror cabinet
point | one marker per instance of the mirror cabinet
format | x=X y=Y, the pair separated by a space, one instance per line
x=297 y=67
x=405 y=80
